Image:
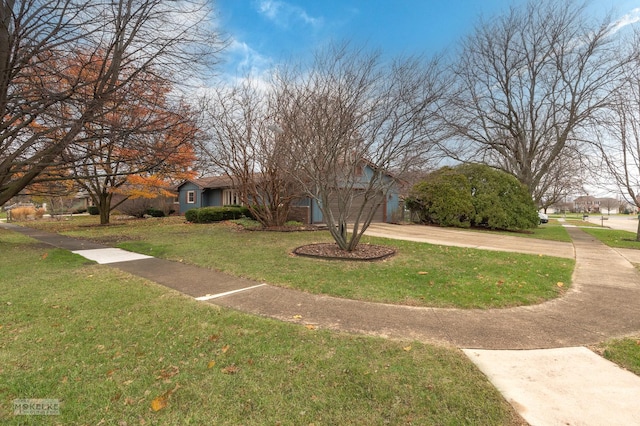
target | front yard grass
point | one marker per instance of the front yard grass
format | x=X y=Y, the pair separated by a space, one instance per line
x=552 y=231
x=624 y=352
x=420 y=274
x=116 y=349
x=615 y=238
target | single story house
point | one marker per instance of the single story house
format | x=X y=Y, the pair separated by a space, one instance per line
x=220 y=191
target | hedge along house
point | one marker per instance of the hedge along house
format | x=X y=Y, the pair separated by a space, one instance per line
x=216 y=191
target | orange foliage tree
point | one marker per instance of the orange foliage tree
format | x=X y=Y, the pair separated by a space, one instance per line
x=67 y=63
x=137 y=146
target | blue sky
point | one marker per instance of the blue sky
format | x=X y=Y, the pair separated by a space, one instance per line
x=264 y=32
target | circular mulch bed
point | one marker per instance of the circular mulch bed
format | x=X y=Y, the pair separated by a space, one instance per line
x=363 y=252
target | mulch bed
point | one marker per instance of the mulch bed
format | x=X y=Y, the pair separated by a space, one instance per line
x=331 y=251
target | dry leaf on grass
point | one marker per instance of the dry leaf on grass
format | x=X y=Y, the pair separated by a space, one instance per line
x=158 y=403
x=230 y=369
x=161 y=401
x=168 y=373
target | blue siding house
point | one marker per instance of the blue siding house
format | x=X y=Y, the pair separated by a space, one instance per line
x=206 y=192
x=220 y=191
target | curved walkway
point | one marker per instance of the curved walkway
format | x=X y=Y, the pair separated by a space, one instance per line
x=602 y=303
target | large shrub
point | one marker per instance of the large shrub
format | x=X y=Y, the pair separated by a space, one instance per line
x=473 y=195
x=443 y=199
x=215 y=214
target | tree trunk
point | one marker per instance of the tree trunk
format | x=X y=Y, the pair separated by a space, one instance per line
x=104 y=207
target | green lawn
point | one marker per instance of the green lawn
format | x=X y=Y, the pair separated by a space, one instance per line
x=420 y=274
x=615 y=238
x=624 y=352
x=552 y=231
x=112 y=348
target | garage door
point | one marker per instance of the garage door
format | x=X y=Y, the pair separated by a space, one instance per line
x=379 y=215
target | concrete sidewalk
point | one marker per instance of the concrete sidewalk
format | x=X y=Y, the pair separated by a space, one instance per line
x=546 y=387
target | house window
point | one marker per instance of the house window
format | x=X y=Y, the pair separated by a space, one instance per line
x=230 y=198
x=191 y=197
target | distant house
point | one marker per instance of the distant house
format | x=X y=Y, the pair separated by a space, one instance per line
x=586 y=204
x=604 y=205
x=220 y=191
x=207 y=192
x=608 y=205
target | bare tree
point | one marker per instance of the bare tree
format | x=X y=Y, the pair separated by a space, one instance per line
x=528 y=83
x=37 y=87
x=247 y=145
x=618 y=135
x=352 y=121
x=566 y=176
x=33 y=35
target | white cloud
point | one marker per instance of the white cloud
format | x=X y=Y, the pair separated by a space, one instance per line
x=284 y=14
x=245 y=59
x=270 y=9
x=628 y=19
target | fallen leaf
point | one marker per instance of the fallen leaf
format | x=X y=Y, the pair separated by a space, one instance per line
x=310 y=327
x=407 y=348
x=161 y=401
x=213 y=337
x=168 y=373
x=422 y=273
x=560 y=284
x=225 y=348
x=44 y=256
x=230 y=369
x=210 y=364
x=297 y=316
x=158 y=403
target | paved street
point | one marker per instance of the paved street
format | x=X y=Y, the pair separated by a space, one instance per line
x=625 y=223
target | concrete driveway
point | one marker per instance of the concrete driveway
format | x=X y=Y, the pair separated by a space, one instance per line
x=473 y=239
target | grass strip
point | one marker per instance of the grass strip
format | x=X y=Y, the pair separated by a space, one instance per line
x=624 y=352
x=614 y=238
